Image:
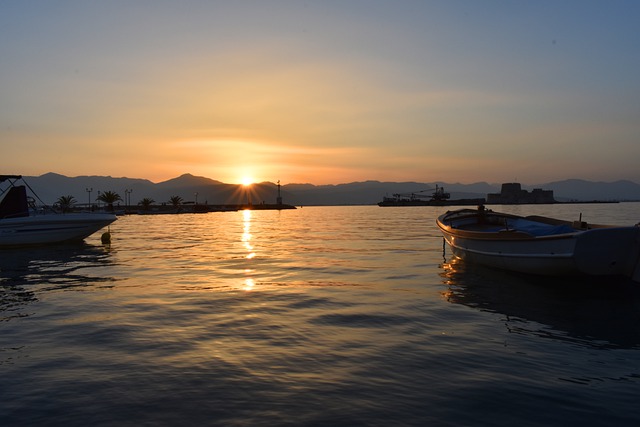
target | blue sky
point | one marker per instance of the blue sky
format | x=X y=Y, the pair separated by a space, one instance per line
x=324 y=92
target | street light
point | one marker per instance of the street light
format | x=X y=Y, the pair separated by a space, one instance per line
x=196 y=198
x=127 y=197
x=89 y=190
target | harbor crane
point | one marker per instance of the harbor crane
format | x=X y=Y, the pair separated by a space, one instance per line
x=438 y=194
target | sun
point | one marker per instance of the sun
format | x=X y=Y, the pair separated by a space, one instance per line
x=246 y=181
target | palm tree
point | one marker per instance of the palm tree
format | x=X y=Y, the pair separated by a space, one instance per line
x=66 y=203
x=109 y=197
x=176 y=201
x=146 y=203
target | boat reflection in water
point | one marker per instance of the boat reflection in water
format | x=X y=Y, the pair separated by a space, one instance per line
x=29 y=276
x=597 y=313
x=54 y=267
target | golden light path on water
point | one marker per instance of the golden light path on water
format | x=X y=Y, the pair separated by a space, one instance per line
x=350 y=315
x=249 y=282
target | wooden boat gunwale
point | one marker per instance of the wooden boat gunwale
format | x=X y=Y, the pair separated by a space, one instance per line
x=504 y=234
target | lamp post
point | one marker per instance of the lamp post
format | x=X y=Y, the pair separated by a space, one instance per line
x=196 y=198
x=279 y=198
x=98 y=199
x=127 y=197
x=89 y=190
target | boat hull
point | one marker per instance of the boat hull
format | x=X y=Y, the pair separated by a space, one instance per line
x=601 y=251
x=51 y=228
x=553 y=258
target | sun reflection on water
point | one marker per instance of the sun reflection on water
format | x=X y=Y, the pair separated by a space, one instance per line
x=249 y=283
x=246 y=235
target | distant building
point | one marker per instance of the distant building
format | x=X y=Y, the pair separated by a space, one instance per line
x=513 y=194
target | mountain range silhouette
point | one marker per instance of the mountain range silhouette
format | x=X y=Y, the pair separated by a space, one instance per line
x=190 y=188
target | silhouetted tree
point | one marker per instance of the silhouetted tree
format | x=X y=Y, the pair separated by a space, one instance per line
x=176 y=201
x=109 y=197
x=66 y=203
x=146 y=203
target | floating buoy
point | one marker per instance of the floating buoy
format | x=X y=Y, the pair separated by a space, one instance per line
x=106 y=237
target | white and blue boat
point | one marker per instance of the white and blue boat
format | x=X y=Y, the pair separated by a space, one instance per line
x=21 y=225
x=542 y=245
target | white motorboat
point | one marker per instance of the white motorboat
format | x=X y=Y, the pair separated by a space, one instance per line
x=21 y=225
x=541 y=245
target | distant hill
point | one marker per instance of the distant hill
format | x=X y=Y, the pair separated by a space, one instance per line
x=51 y=186
x=372 y=192
x=188 y=180
x=578 y=189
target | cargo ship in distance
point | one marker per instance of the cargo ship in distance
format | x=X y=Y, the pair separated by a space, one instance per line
x=438 y=198
x=511 y=193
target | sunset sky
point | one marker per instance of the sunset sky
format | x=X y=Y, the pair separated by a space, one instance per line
x=322 y=92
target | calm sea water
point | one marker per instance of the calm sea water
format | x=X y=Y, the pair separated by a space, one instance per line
x=351 y=316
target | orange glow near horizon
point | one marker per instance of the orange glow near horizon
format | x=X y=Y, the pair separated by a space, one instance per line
x=261 y=94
